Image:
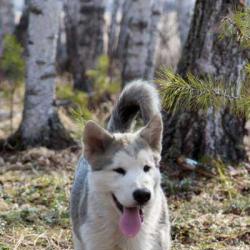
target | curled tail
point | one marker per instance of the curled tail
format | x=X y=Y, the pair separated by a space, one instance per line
x=138 y=96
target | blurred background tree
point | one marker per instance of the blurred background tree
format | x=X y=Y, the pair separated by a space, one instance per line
x=12 y=67
x=84 y=33
x=96 y=46
x=7 y=20
x=213 y=133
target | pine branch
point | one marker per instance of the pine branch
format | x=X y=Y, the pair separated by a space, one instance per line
x=237 y=25
x=193 y=94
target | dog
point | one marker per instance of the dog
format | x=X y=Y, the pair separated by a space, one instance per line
x=117 y=202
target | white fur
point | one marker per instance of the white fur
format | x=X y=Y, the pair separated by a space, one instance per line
x=103 y=216
x=95 y=216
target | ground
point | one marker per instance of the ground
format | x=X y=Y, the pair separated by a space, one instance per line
x=210 y=210
x=206 y=213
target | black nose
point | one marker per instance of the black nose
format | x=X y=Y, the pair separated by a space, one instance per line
x=142 y=196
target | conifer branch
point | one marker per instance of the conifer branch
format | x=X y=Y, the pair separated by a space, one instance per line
x=193 y=94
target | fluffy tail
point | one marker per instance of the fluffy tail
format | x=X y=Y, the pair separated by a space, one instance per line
x=137 y=96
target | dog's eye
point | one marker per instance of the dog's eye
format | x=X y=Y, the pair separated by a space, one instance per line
x=120 y=171
x=146 y=168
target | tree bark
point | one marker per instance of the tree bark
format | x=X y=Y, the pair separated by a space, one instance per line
x=84 y=27
x=114 y=27
x=22 y=27
x=185 y=11
x=214 y=134
x=153 y=43
x=140 y=31
x=169 y=49
x=7 y=20
x=40 y=124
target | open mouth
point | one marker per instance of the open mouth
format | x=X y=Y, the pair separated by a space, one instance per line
x=131 y=218
x=118 y=204
x=120 y=207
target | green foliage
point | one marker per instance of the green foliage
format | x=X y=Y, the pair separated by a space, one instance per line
x=248 y=69
x=12 y=63
x=237 y=25
x=193 y=94
x=225 y=179
x=101 y=80
x=79 y=100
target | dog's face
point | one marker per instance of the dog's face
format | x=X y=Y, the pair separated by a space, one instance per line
x=125 y=167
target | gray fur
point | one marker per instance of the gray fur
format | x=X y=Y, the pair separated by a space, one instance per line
x=138 y=96
x=79 y=196
x=94 y=219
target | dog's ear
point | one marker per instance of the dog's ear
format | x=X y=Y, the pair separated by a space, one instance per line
x=152 y=133
x=96 y=139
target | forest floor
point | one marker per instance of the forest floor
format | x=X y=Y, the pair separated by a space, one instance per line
x=207 y=213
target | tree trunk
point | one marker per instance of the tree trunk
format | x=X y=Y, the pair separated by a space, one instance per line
x=7 y=20
x=214 y=134
x=140 y=23
x=84 y=27
x=40 y=124
x=153 y=43
x=61 y=54
x=114 y=27
x=123 y=29
x=185 y=11
x=22 y=27
x=169 y=49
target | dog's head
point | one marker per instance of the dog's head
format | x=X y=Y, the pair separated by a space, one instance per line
x=125 y=167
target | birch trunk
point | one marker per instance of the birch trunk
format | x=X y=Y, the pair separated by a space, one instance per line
x=185 y=11
x=154 y=41
x=22 y=27
x=7 y=20
x=215 y=134
x=114 y=28
x=169 y=49
x=40 y=124
x=85 y=38
x=140 y=18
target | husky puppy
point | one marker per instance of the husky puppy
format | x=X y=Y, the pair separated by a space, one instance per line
x=117 y=202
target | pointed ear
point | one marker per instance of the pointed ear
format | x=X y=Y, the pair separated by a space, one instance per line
x=96 y=139
x=152 y=133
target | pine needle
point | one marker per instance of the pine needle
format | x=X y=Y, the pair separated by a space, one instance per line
x=193 y=94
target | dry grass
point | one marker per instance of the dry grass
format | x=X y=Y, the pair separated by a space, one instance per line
x=34 y=194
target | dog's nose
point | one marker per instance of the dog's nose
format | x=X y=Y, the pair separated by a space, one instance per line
x=142 y=196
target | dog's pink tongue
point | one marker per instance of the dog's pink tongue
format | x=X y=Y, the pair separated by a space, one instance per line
x=130 y=221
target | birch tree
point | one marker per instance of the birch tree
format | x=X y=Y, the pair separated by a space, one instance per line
x=215 y=133
x=114 y=28
x=169 y=49
x=140 y=33
x=84 y=27
x=7 y=20
x=40 y=124
x=22 y=27
x=185 y=12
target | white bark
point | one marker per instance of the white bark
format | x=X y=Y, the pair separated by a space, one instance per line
x=169 y=49
x=156 y=15
x=7 y=20
x=123 y=28
x=185 y=10
x=22 y=27
x=139 y=43
x=114 y=27
x=44 y=18
x=86 y=20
